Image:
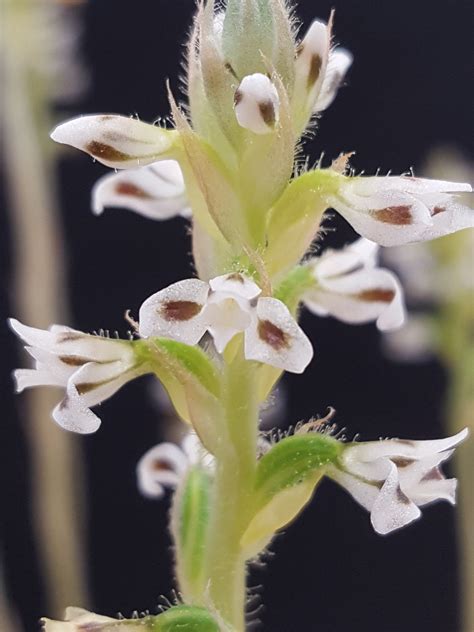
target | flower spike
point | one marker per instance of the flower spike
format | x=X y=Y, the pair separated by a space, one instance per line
x=393 y=478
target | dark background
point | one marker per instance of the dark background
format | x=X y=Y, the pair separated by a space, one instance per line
x=407 y=92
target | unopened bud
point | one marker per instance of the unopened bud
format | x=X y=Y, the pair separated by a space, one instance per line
x=257 y=104
x=313 y=53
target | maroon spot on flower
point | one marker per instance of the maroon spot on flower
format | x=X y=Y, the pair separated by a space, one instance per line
x=272 y=335
x=106 y=152
x=73 y=360
x=160 y=465
x=314 y=70
x=132 y=190
x=397 y=215
x=434 y=474
x=267 y=110
x=87 y=387
x=180 y=310
x=436 y=210
x=406 y=442
x=376 y=295
x=238 y=96
x=69 y=336
x=402 y=461
x=401 y=497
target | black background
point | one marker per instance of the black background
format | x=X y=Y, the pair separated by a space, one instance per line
x=407 y=92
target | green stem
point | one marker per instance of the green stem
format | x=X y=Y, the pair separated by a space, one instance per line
x=231 y=506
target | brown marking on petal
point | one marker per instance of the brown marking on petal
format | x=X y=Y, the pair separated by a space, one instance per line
x=107 y=117
x=160 y=465
x=238 y=96
x=397 y=215
x=267 y=111
x=314 y=70
x=87 y=387
x=376 y=295
x=106 y=152
x=405 y=442
x=236 y=276
x=272 y=335
x=402 y=462
x=180 y=310
x=68 y=336
x=130 y=189
x=434 y=474
x=436 y=210
x=401 y=497
x=74 y=360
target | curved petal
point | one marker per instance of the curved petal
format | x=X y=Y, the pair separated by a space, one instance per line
x=117 y=141
x=235 y=283
x=26 y=378
x=226 y=314
x=311 y=64
x=360 y=297
x=176 y=312
x=275 y=338
x=257 y=104
x=160 y=467
x=156 y=191
x=392 y=508
x=72 y=415
x=339 y=63
x=362 y=492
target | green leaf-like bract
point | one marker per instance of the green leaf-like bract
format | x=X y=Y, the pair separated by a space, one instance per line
x=185 y=619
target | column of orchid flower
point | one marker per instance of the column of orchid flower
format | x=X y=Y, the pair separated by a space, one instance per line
x=219 y=342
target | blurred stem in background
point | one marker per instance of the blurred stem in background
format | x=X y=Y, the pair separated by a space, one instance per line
x=39 y=286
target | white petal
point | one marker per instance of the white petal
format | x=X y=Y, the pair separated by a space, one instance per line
x=367 y=251
x=160 y=467
x=362 y=492
x=176 y=312
x=31 y=335
x=225 y=315
x=403 y=448
x=97 y=382
x=333 y=263
x=360 y=297
x=26 y=378
x=431 y=491
x=235 y=283
x=72 y=415
x=311 y=64
x=257 y=104
x=156 y=191
x=116 y=141
x=392 y=509
x=339 y=62
x=275 y=338
x=415 y=186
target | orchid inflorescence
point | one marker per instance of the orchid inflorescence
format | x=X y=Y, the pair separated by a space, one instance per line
x=220 y=342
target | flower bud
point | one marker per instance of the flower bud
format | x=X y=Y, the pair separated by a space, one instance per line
x=257 y=104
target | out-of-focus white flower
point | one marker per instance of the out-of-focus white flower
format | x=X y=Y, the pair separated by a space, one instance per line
x=80 y=620
x=351 y=288
x=393 y=478
x=225 y=306
x=90 y=368
x=164 y=465
x=156 y=191
x=414 y=342
x=256 y=103
x=397 y=210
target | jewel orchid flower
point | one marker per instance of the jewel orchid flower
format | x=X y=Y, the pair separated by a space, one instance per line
x=90 y=368
x=393 y=478
x=155 y=191
x=350 y=287
x=227 y=305
x=164 y=465
x=397 y=210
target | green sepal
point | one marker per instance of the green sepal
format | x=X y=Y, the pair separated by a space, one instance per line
x=286 y=477
x=293 y=286
x=292 y=460
x=295 y=217
x=189 y=523
x=185 y=619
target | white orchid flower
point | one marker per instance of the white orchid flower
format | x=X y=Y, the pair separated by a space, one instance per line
x=90 y=368
x=320 y=69
x=393 y=478
x=225 y=306
x=351 y=288
x=397 y=210
x=163 y=466
x=156 y=191
x=257 y=103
